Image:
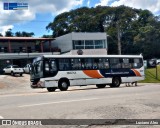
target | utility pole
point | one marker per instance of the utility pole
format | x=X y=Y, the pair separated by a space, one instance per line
x=156 y=70
x=119 y=38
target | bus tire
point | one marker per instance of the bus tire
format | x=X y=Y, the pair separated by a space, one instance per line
x=100 y=85
x=63 y=84
x=116 y=81
x=51 y=89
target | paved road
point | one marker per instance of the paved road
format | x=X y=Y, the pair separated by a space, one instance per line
x=141 y=102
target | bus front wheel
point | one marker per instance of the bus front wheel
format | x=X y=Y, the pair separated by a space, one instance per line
x=116 y=81
x=63 y=85
x=100 y=85
x=51 y=89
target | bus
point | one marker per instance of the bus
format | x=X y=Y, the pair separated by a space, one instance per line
x=62 y=71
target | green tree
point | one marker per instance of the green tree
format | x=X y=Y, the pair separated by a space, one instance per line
x=18 y=34
x=136 y=30
x=9 y=33
x=47 y=36
x=24 y=34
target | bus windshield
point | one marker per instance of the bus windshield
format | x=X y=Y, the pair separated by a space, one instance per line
x=37 y=69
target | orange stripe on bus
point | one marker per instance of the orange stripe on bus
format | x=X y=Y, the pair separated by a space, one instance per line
x=93 y=73
x=136 y=72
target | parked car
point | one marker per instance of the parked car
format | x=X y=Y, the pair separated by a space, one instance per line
x=13 y=69
x=151 y=63
x=158 y=61
x=27 y=68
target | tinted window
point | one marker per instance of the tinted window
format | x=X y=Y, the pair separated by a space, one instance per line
x=64 y=64
x=137 y=63
x=88 y=63
x=126 y=63
x=115 y=63
x=103 y=63
x=76 y=64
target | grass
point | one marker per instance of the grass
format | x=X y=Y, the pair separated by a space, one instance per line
x=150 y=75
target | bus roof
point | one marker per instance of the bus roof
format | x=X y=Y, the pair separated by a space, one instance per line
x=94 y=56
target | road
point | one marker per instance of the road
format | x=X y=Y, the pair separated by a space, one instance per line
x=141 y=102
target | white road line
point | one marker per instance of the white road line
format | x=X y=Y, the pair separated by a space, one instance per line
x=21 y=94
x=57 y=102
x=1 y=117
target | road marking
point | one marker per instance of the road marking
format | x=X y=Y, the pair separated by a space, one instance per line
x=1 y=117
x=21 y=94
x=30 y=105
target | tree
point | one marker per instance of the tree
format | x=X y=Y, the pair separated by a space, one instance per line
x=18 y=34
x=47 y=36
x=1 y=35
x=9 y=33
x=27 y=34
x=131 y=31
x=24 y=34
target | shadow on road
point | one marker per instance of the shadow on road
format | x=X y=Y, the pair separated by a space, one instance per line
x=91 y=88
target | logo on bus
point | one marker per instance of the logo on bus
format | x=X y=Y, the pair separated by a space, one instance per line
x=71 y=72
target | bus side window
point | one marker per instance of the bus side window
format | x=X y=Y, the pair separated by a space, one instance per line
x=88 y=63
x=100 y=64
x=95 y=63
x=115 y=63
x=137 y=63
x=106 y=64
x=76 y=64
x=103 y=63
x=126 y=63
x=64 y=64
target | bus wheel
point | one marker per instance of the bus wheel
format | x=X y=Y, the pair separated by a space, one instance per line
x=100 y=85
x=63 y=85
x=51 y=89
x=116 y=81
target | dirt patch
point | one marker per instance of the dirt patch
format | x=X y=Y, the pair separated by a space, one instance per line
x=2 y=85
x=12 y=83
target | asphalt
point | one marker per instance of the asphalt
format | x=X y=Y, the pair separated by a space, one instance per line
x=88 y=102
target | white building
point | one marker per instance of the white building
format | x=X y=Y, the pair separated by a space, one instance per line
x=89 y=43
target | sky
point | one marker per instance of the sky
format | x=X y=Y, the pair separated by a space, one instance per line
x=41 y=12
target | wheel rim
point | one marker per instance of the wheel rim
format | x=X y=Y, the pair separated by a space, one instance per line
x=64 y=84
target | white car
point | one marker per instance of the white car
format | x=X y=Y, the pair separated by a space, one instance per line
x=27 y=68
x=13 y=69
x=158 y=61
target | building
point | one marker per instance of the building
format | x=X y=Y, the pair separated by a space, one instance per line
x=89 y=43
x=24 y=44
x=21 y=50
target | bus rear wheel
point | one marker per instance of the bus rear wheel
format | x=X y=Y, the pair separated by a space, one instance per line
x=51 y=89
x=116 y=81
x=63 y=85
x=100 y=85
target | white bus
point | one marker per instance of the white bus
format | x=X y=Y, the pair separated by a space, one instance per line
x=61 y=71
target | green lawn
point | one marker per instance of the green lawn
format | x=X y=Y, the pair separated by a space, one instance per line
x=150 y=75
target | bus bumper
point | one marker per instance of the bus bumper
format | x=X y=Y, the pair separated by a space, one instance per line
x=37 y=85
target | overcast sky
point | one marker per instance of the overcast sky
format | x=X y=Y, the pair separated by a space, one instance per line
x=41 y=12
